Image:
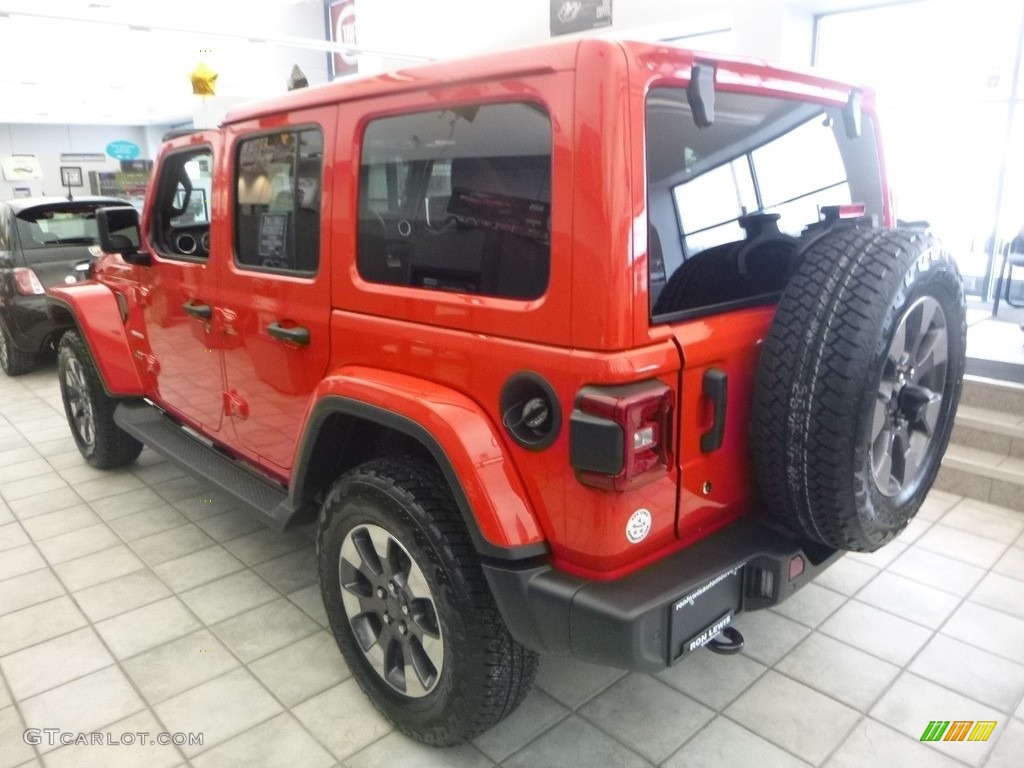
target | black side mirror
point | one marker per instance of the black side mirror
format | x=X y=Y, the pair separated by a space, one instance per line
x=701 y=94
x=119 y=232
x=853 y=117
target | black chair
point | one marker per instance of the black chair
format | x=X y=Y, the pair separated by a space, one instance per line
x=1011 y=259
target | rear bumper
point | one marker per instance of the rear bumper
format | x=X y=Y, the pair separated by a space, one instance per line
x=648 y=620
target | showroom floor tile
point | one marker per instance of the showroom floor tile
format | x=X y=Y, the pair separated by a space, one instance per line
x=141 y=601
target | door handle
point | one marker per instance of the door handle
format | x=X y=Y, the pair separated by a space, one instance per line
x=296 y=334
x=716 y=388
x=202 y=311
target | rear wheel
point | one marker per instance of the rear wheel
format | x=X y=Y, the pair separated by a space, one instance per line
x=858 y=385
x=410 y=607
x=14 y=361
x=89 y=409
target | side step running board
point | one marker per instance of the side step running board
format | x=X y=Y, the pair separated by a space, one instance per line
x=147 y=424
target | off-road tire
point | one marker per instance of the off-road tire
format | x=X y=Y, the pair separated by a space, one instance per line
x=14 y=361
x=89 y=409
x=483 y=674
x=857 y=386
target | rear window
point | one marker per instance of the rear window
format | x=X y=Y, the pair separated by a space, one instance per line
x=765 y=169
x=458 y=200
x=49 y=227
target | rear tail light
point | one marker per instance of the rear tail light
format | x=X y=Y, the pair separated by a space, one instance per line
x=621 y=437
x=26 y=282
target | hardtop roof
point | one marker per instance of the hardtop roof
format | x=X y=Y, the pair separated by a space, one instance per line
x=548 y=57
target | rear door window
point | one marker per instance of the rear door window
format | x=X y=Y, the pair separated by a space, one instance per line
x=277 y=212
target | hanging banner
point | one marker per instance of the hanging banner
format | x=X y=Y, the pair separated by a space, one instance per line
x=341 y=18
x=579 y=15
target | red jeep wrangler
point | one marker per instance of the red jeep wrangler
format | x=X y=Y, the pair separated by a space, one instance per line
x=579 y=350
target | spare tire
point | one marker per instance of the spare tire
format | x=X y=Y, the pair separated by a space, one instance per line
x=857 y=386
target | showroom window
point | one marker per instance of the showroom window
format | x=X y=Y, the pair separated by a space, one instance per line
x=949 y=94
x=458 y=200
x=277 y=211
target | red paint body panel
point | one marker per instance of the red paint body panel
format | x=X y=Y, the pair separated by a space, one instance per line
x=583 y=525
x=271 y=379
x=441 y=358
x=544 y=320
x=467 y=436
x=99 y=319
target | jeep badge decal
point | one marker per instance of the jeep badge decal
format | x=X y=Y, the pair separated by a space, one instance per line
x=639 y=526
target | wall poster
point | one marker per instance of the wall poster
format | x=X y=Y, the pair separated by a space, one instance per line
x=21 y=167
x=579 y=15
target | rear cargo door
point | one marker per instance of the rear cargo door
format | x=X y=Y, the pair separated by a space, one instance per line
x=719 y=357
x=730 y=206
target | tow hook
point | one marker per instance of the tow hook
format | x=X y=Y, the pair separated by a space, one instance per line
x=733 y=642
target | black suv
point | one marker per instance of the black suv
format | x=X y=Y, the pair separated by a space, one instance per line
x=44 y=241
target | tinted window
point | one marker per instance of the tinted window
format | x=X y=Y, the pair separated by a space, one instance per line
x=782 y=158
x=458 y=200
x=64 y=224
x=277 y=212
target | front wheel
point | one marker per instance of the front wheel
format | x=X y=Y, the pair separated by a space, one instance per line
x=410 y=607
x=90 y=410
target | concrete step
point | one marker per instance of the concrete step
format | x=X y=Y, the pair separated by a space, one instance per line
x=990 y=430
x=985 y=457
x=983 y=475
x=1002 y=396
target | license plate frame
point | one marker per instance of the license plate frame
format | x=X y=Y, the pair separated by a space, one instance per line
x=699 y=616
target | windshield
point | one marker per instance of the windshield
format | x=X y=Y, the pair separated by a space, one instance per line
x=49 y=227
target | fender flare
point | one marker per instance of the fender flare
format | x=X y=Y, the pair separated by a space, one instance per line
x=456 y=432
x=93 y=309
